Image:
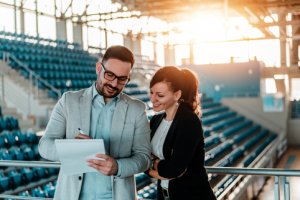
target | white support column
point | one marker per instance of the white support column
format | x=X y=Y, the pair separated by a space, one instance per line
x=137 y=45
x=77 y=34
x=169 y=55
x=128 y=41
x=61 y=29
x=295 y=42
x=282 y=32
x=191 y=60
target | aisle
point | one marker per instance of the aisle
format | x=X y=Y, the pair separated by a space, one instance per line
x=290 y=160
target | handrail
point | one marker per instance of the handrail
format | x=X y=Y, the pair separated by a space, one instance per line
x=2 y=90
x=253 y=171
x=277 y=172
x=212 y=170
x=43 y=164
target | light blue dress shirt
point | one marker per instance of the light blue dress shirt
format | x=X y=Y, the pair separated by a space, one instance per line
x=97 y=186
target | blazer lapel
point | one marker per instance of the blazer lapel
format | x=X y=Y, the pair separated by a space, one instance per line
x=85 y=110
x=117 y=126
x=156 y=123
x=167 y=147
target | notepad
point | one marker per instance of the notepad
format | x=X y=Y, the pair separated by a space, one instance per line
x=74 y=153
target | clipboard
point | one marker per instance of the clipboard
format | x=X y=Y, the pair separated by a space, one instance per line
x=74 y=153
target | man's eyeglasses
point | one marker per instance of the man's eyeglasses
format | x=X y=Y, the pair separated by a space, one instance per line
x=110 y=76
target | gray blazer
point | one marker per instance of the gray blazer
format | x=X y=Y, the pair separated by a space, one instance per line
x=129 y=141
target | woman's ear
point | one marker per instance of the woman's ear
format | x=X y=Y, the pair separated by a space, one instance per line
x=178 y=94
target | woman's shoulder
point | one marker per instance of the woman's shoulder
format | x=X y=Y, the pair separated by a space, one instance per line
x=189 y=117
x=157 y=116
x=187 y=112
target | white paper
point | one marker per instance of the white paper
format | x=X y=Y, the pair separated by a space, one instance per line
x=74 y=153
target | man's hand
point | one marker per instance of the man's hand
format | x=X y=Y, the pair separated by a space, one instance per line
x=107 y=166
x=82 y=136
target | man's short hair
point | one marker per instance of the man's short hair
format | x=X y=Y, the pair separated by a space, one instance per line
x=119 y=52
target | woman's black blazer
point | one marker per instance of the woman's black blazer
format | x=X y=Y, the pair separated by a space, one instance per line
x=183 y=150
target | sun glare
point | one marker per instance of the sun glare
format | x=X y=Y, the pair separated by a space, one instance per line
x=216 y=40
x=211 y=36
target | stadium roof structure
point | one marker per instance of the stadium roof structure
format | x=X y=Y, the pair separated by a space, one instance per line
x=253 y=10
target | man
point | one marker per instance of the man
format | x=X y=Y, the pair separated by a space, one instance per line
x=102 y=111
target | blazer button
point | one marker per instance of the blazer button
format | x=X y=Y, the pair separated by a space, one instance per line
x=79 y=178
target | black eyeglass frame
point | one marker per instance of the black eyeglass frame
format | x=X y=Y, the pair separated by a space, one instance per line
x=110 y=76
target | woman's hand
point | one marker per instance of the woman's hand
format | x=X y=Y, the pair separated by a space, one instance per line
x=154 y=173
x=155 y=164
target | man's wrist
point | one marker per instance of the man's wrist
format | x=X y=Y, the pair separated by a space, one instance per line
x=119 y=165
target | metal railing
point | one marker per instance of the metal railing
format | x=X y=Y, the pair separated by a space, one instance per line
x=32 y=75
x=2 y=90
x=261 y=172
x=34 y=80
x=277 y=173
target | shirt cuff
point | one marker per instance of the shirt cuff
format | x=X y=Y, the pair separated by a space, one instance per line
x=119 y=168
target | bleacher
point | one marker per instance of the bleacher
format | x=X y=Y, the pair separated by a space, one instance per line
x=230 y=140
x=16 y=144
x=64 y=65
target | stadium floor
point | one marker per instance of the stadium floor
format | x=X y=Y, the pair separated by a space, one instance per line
x=290 y=160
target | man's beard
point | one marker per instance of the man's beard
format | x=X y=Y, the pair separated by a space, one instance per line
x=101 y=91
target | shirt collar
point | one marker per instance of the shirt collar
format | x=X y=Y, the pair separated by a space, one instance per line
x=95 y=94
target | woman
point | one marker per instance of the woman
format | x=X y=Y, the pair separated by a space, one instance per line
x=177 y=137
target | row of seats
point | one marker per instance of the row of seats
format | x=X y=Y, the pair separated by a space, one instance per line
x=227 y=180
x=63 y=67
x=295 y=109
x=73 y=76
x=45 y=67
x=148 y=192
x=24 y=37
x=217 y=117
x=23 y=146
x=230 y=143
x=230 y=140
x=14 y=178
x=261 y=147
x=142 y=180
x=28 y=48
x=222 y=125
x=24 y=152
x=37 y=58
x=8 y=123
x=46 y=191
x=211 y=111
x=17 y=137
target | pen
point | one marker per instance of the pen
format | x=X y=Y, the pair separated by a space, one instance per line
x=80 y=131
x=82 y=135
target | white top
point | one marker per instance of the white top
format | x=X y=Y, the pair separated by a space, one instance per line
x=157 y=144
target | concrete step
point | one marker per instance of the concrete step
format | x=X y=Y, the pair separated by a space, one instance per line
x=26 y=124
x=47 y=101
x=23 y=123
x=11 y=112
